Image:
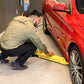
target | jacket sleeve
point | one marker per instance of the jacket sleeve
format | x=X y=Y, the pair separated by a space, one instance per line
x=37 y=42
x=31 y=33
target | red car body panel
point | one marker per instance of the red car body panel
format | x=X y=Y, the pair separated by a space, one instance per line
x=65 y=28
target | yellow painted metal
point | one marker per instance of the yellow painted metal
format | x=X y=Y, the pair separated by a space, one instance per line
x=53 y=58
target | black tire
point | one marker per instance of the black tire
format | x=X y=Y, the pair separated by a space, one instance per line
x=45 y=30
x=76 y=66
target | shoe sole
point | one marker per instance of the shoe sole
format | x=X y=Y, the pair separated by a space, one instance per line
x=15 y=68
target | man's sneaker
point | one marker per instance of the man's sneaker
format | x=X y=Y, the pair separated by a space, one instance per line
x=16 y=66
x=3 y=61
x=24 y=66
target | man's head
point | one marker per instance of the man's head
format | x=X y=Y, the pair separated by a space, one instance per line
x=37 y=20
x=36 y=17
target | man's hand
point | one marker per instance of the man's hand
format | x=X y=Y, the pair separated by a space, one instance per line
x=50 y=53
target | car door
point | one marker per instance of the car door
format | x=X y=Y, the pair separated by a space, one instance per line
x=65 y=29
x=61 y=27
x=52 y=19
x=58 y=23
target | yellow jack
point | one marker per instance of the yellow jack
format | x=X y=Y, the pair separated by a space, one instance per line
x=53 y=58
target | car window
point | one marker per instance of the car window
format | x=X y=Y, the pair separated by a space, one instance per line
x=56 y=1
x=80 y=5
x=65 y=1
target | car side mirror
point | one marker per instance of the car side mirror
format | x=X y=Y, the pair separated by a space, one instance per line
x=61 y=7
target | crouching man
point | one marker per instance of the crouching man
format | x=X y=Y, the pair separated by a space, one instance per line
x=14 y=40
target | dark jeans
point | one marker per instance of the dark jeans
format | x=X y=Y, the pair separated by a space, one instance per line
x=23 y=52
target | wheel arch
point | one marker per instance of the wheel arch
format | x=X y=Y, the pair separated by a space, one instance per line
x=70 y=46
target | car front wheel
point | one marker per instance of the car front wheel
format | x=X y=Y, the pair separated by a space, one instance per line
x=45 y=30
x=76 y=66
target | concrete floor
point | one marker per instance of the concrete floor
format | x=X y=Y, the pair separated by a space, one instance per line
x=39 y=71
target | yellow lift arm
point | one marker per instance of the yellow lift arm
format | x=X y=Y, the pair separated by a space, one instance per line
x=53 y=58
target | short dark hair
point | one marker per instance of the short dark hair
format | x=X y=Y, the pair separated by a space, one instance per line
x=34 y=12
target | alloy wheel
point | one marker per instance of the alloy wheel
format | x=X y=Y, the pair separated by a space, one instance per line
x=76 y=67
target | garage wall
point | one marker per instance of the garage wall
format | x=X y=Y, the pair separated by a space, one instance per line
x=12 y=8
x=8 y=10
x=36 y=4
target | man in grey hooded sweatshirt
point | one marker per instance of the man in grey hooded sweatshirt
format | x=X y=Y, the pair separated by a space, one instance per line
x=14 y=40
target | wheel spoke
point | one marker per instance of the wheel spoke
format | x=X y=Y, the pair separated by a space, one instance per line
x=78 y=62
x=79 y=74
x=71 y=64
x=73 y=58
x=73 y=76
x=72 y=68
x=79 y=80
x=72 y=73
x=77 y=67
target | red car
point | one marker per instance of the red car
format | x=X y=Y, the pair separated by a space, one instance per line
x=64 y=19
